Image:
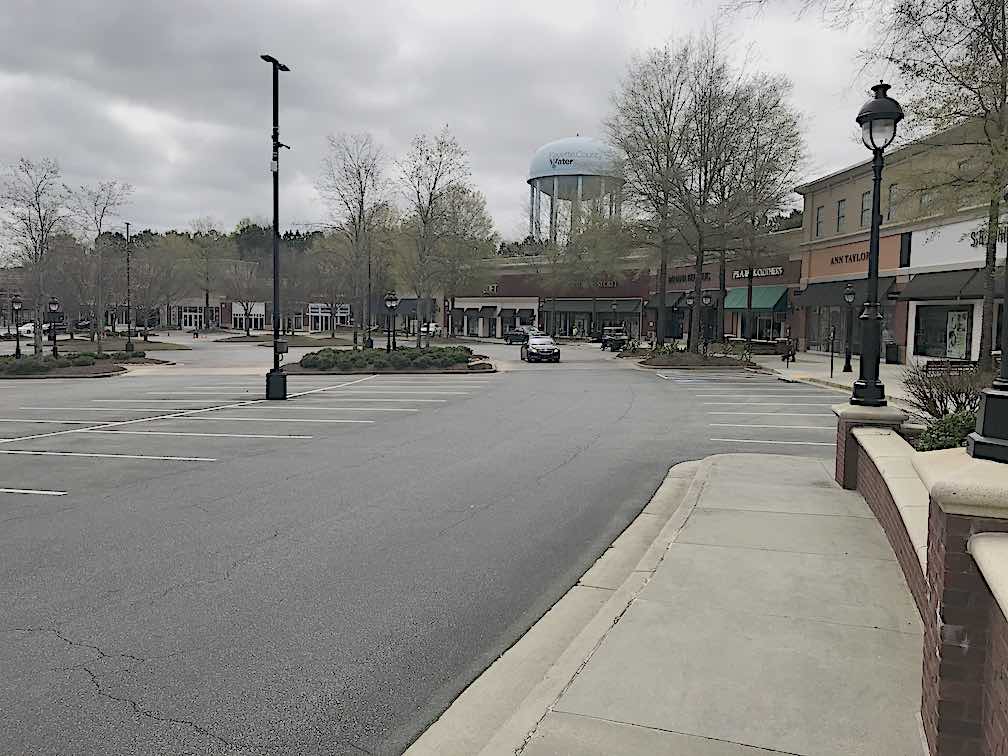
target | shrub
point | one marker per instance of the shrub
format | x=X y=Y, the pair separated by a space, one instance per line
x=92 y=355
x=310 y=360
x=103 y=356
x=947 y=393
x=399 y=360
x=948 y=432
x=26 y=366
x=82 y=361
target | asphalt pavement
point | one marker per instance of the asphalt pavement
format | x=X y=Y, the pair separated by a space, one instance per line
x=190 y=569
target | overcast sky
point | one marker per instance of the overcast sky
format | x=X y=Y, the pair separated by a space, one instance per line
x=172 y=96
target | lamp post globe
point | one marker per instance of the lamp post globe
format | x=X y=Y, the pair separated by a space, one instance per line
x=690 y=301
x=849 y=296
x=878 y=120
x=706 y=299
x=16 y=305
x=391 y=302
x=54 y=307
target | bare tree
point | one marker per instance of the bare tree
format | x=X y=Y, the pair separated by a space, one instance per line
x=93 y=207
x=650 y=112
x=431 y=168
x=243 y=282
x=465 y=242
x=212 y=248
x=35 y=205
x=354 y=185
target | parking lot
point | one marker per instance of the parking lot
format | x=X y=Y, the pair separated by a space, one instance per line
x=130 y=429
x=756 y=412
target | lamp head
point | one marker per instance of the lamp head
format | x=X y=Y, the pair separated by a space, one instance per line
x=53 y=304
x=878 y=118
x=273 y=61
x=849 y=295
x=16 y=303
x=706 y=299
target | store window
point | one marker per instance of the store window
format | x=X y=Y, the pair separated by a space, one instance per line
x=818 y=220
x=893 y=199
x=865 y=209
x=841 y=213
x=943 y=331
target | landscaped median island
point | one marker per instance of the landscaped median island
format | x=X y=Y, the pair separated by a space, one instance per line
x=671 y=356
x=72 y=365
x=453 y=359
x=292 y=340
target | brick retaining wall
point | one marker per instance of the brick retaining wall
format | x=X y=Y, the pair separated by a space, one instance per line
x=995 y=715
x=873 y=488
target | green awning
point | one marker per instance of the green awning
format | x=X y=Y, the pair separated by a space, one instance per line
x=763 y=298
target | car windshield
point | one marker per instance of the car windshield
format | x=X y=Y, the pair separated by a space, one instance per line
x=541 y=341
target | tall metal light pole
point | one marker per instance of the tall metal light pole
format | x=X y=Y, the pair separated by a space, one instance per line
x=54 y=307
x=276 y=379
x=877 y=119
x=16 y=305
x=129 y=296
x=849 y=296
x=990 y=439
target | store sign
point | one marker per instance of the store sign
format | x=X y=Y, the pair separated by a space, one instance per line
x=956 y=244
x=849 y=258
x=490 y=290
x=687 y=277
x=776 y=270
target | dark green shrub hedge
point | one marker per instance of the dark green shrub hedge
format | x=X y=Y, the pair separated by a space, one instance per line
x=82 y=361
x=378 y=359
x=948 y=432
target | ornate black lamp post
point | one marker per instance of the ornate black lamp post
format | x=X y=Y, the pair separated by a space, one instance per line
x=990 y=439
x=706 y=300
x=848 y=296
x=129 y=297
x=16 y=305
x=391 y=303
x=54 y=307
x=877 y=119
x=276 y=379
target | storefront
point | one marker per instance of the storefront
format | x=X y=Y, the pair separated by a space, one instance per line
x=491 y=316
x=769 y=307
x=320 y=316
x=820 y=308
x=255 y=320
x=576 y=317
x=944 y=296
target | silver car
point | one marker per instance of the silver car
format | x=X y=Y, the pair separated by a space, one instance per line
x=540 y=348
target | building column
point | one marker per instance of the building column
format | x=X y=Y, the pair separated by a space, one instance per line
x=554 y=207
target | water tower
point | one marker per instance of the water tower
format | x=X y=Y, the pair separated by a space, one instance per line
x=577 y=170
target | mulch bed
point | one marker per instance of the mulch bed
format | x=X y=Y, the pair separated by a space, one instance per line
x=690 y=360
x=97 y=370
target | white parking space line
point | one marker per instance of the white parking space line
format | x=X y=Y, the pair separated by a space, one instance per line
x=120 y=410
x=760 y=441
x=104 y=456
x=330 y=388
x=33 y=491
x=47 y=421
x=362 y=392
x=228 y=418
x=320 y=407
x=149 y=401
x=344 y=398
x=769 y=404
x=201 y=393
x=780 y=414
x=749 y=395
x=829 y=428
x=183 y=433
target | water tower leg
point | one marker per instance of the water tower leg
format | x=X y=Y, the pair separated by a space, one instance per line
x=531 y=210
x=576 y=209
x=538 y=209
x=554 y=206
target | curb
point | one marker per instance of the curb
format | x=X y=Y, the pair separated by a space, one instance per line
x=827 y=384
x=510 y=734
x=43 y=376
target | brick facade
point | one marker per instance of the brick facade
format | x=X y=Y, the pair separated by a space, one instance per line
x=873 y=488
x=847 y=448
x=995 y=716
x=964 y=691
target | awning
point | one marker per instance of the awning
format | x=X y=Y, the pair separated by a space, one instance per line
x=763 y=298
x=974 y=288
x=488 y=311
x=626 y=305
x=507 y=312
x=526 y=314
x=831 y=292
x=947 y=285
x=472 y=310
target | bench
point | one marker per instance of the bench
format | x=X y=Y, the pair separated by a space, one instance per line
x=949 y=367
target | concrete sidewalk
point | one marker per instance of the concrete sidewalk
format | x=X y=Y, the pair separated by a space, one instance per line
x=768 y=617
x=815 y=367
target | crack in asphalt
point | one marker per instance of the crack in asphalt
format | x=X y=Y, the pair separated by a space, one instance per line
x=138 y=709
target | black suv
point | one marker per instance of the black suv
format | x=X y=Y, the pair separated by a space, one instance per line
x=519 y=335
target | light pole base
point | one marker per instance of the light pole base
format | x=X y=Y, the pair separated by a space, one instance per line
x=276 y=385
x=128 y=347
x=868 y=394
x=990 y=439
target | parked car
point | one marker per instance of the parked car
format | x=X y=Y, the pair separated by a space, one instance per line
x=520 y=334
x=27 y=330
x=540 y=348
x=614 y=338
x=84 y=324
x=430 y=329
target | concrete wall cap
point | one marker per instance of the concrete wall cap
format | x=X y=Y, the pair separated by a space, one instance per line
x=990 y=550
x=962 y=485
x=856 y=413
x=882 y=442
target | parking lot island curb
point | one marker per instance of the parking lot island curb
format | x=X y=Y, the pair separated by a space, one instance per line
x=501 y=708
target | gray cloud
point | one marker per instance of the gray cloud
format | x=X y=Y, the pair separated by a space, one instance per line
x=173 y=98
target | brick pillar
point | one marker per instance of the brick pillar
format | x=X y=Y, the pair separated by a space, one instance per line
x=849 y=417
x=967 y=497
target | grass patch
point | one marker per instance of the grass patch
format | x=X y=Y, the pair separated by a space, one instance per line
x=377 y=360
